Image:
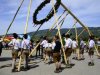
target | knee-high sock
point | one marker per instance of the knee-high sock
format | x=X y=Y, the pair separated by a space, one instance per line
x=13 y=63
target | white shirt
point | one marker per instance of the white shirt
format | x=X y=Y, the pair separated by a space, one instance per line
x=68 y=43
x=74 y=44
x=48 y=45
x=82 y=44
x=25 y=44
x=98 y=43
x=15 y=43
x=53 y=45
x=44 y=42
x=91 y=43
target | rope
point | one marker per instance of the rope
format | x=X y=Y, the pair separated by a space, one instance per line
x=13 y=19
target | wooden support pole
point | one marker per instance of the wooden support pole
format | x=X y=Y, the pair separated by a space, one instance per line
x=46 y=33
x=59 y=32
x=13 y=19
x=70 y=29
x=34 y=49
x=25 y=31
x=62 y=22
x=75 y=17
x=56 y=21
x=78 y=52
x=81 y=32
x=86 y=28
x=28 y=14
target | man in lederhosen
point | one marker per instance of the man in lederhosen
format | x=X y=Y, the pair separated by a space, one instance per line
x=43 y=44
x=25 y=46
x=74 y=48
x=68 y=50
x=82 y=46
x=91 y=50
x=57 y=55
x=15 y=43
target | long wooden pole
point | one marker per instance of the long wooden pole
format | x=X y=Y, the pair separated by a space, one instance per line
x=25 y=31
x=56 y=21
x=95 y=45
x=45 y=34
x=78 y=53
x=81 y=32
x=62 y=22
x=52 y=25
x=86 y=28
x=75 y=17
x=72 y=27
x=59 y=32
x=28 y=14
x=13 y=19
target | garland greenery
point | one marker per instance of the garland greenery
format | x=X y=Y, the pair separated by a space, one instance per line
x=57 y=4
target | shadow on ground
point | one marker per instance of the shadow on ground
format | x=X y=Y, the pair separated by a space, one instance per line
x=5 y=59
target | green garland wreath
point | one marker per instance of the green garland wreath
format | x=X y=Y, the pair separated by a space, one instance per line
x=57 y=4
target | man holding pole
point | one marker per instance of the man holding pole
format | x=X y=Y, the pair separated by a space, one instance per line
x=91 y=50
x=25 y=48
x=15 y=43
x=56 y=54
x=68 y=50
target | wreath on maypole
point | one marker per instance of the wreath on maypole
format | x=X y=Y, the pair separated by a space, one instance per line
x=51 y=13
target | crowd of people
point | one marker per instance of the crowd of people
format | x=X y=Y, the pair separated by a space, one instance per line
x=51 y=50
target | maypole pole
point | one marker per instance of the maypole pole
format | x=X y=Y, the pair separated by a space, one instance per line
x=78 y=52
x=25 y=31
x=62 y=22
x=28 y=14
x=59 y=32
x=70 y=29
x=81 y=33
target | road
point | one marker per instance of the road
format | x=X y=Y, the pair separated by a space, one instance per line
x=38 y=67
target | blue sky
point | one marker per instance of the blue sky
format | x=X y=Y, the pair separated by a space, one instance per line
x=88 y=11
